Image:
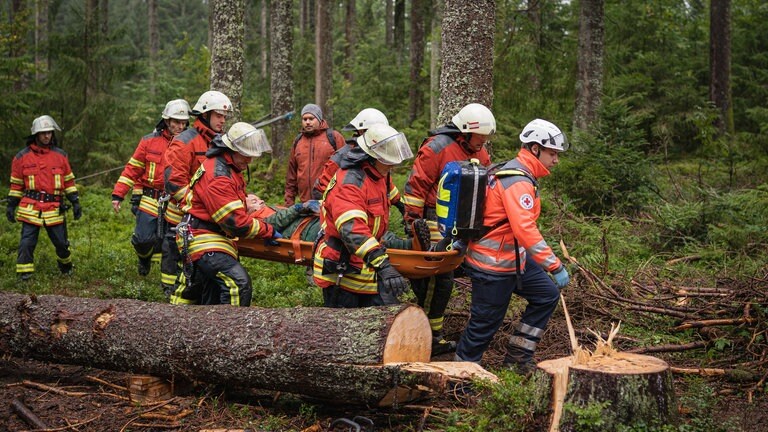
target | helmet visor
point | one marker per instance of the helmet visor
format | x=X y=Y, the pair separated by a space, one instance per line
x=557 y=142
x=251 y=144
x=392 y=150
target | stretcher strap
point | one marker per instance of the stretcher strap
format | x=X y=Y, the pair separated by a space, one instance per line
x=296 y=239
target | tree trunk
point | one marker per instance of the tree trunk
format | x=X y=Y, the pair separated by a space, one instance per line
x=104 y=17
x=324 y=57
x=264 y=27
x=589 y=85
x=227 y=58
x=534 y=15
x=628 y=388
x=281 y=76
x=344 y=355
x=399 y=30
x=90 y=45
x=720 y=62
x=435 y=63
x=154 y=42
x=416 y=90
x=42 y=66
x=350 y=27
x=306 y=17
x=389 y=23
x=467 y=53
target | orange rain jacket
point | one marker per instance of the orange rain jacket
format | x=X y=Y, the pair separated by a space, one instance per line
x=308 y=157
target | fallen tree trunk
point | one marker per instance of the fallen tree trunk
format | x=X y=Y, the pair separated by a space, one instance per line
x=345 y=355
x=625 y=389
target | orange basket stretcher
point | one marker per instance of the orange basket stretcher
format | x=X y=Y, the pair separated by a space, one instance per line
x=411 y=264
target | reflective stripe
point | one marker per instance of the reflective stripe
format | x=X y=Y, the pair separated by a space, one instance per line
x=367 y=246
x=25 y=268
x=148 y=205
x=66 y=260
x=173 y=214
x=168 y=279
x=413 y=201
x=530 y=330
x=135 y=162
x=126 y=181
x=522 y=342
x=349 y=215
x=70 y=190
x=15 y=193
x=226 y=209
x=30 y=215
x=31 y=182
x=393 y=193
x=436 y=324
x=69 y=176
x=486 y=259
x=234 y=290
x=56 y=184
x=212 y=242
x=17 y=181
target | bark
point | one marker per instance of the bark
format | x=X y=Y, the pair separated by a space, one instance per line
x=90 y=44
x=264 y=26
x=589 y=85
x=720 y=63
x=634 y=389
x=307 y=17
x=399 y=29
x=154 y=41
x=350 y=34
x=435 y=64
x=389 y=23
x=41 y=40
x=415 y=91
x=227 y=58
x=281 y=72
x=467 y=53
x=324 y=57
x=534 y=15
x=346 y=355
x=104 y=17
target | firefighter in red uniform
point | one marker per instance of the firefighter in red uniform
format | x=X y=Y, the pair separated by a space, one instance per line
x=309 y=154
x=512 y=256
x=351 y=265
x=144 y=173
x=182 y=159
x=217 y=215
x=463 y=138
x=40 y=178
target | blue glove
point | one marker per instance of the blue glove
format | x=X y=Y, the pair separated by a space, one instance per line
x=272 y=241
x=460 y=246
x=311 y=207
x=561 y=277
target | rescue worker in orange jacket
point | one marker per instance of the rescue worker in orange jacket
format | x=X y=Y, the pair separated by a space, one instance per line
x=217 y=215
x=362 y=121
x=350 y=264
x=40 y=179
x=182 y=159
x=144 y=172
x=512 y=257
x=309 y=153
x=463 y=138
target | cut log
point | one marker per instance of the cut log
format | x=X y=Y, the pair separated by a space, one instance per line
x=353 y=356
x=631 y=388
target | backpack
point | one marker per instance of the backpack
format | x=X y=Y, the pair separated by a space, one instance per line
x=328 y=133
x=461 y=199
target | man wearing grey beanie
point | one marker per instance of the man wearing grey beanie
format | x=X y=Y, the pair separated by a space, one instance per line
x=311 y=149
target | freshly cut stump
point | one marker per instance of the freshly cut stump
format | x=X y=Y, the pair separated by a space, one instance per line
x=630 y=388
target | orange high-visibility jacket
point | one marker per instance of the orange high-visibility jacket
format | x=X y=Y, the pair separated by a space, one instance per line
x=512 y=206
x=184 y=156
x=308 y=157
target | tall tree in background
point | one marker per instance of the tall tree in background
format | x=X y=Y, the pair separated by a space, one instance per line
x=227 y=59
x=350 y=34
x=306 y=17
x=19 y=14
x=154 y=42
x=263 y=33
x=720 y=62
x=589 y=85
x=435 y=63
x=42 y=64
x=415 y=91
x=281 y=83
x=90 y=43
x=534 y=16
x=399 y=29
x=389 y=23
x=104 y=17
x=324 y=57
x=467 y=52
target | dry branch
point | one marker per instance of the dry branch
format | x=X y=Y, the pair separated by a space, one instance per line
x=715 y=322
x=669 y=348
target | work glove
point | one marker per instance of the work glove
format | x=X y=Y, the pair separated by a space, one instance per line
x=400 y=207
x=77 y=211
x=272 y=241
x=390 y=280
x=408 y=219
x=308 y=208
x=135 y=201
x=10 y=213
x=561 y=277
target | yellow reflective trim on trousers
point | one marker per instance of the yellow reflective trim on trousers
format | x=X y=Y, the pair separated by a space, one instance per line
x=436 y=324
x=204 y=242
x=226 y=209
x=168 y=279
x=25 y=268
x=135 y=162
x=69 y=190
x=234 y=290
x=349 y=215
x=148 y=205
x=32 y=216
x=173 y=214
x=364 y=283
x=66 y=260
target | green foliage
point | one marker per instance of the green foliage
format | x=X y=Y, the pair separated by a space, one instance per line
x=587 y=418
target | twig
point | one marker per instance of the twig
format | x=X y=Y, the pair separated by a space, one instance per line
x=698 y=371
x=46 y=388
x=715 y=322
x=25 y=413
x=159 y=405
x=70 y=426
x=684 y=259
x=668 y=348
x=106 y=383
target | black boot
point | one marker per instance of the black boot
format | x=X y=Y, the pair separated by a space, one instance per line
x=421 y=235
x=440 y=345
x=519 y=361
x=65 y=269
x=145 y=264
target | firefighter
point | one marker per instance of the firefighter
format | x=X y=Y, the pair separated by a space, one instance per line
x=40 y=179
x=512 y=257
x=309 y=153
x=184 y=155
x=463 y=138
x=216 y=208
x=350 y=264
x=144 y=173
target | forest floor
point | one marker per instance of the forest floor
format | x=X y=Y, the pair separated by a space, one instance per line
x=76 y=398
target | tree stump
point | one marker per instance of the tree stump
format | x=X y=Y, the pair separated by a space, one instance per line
x=630 y=388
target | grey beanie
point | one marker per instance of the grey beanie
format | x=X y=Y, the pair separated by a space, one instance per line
x=314 y=110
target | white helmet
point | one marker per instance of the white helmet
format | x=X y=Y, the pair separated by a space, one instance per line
x=475 y=118
x=176 y=109
x=545 y=134
x=385 y=144
x=245 y=139
x=213 y=100
x=44 y=124
x=365 y=118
